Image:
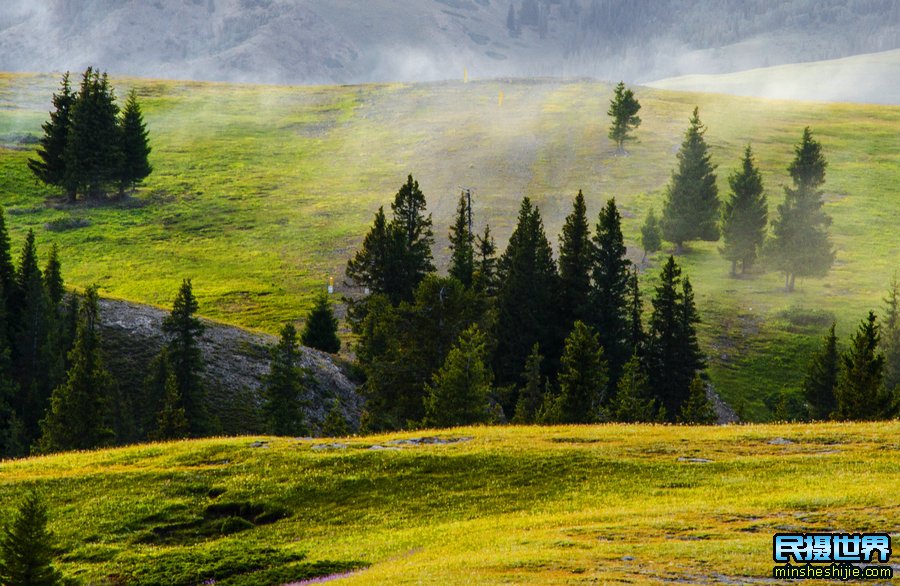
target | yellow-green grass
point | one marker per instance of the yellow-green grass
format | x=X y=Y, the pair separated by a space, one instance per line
x=524 y=505
x=260 y=192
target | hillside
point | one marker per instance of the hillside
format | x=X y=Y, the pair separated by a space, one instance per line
x=872 y=78
x=260 y=193
x=523 y=505
x=341 y=41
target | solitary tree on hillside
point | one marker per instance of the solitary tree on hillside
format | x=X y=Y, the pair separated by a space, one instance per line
x=184 y=331
x=575 y=261
x=744 y=215
x=462 y=245
x=320 y=330
x=50 y=166
x=800 y=245
x=623 y=109
x=821 y=379
x=651 y=235
x=460 y=390
x=691 y=210
x=26 y=546
x=135 y=145
x=583 y=376
x=859 y=387
x=285 y=391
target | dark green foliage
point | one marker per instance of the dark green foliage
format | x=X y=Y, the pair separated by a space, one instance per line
x=609 y=294
x=171 y=422
x=859 y=391
x=370 y=266
x=50 y=166
x=462 y=244
x=800 y=245
x=821 y=379
x=673 y=356
x=13 y=441
x=320 y=329
x=634 y=402
x=7 y=271
x=527 y=299
x=636 y=336
x=78 y=411
x=155 y=390
x=697 y=409
x=575 y=262
x=651 y=234
x=691 y=210
x=533 y=389
x=582 y=377
x=26 y=546
x=485 y=277
x=53 y=280
x=93 y=153
x=335 y=424
x=890 y=338
x=184 y=331
x=285 y=393
x=623 y=109
x=459 y=392
x=135 y=145
x=744 y=215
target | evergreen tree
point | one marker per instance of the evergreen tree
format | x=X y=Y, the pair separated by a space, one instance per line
x=651 y=234
x=285 y=391
x=320 y=329
x=800 y=245
x=673 y=357
x=610 y=306
x=184 y=331
x=575 y=262
x=77 y=418
x=859 y=392
x=583 y=376
x=890 y=337
x=697 y=409
x=636 y=336
x=821 y=379
x=171 y=422
x=485 y=277
x=53 y=280
x=156 y=394
x=371 y=267
x=415 y=236
x=460 y=390
x=135 y=145
x=691 y=209
x=13 y=441
x=93 y=154
x=50 y=166
x=462 y=244
x=527 y=299
x=633 y=402
x=534 y=386
x=744 y=216
x=8 y=278
x=623 y=109
x=26 y=547
x=335 y=424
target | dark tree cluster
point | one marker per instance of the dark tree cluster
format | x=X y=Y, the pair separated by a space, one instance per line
x=90 y=145
x=523 y=337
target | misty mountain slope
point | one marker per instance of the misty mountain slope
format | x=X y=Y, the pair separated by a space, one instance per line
x=873 y=78
x=328 y=41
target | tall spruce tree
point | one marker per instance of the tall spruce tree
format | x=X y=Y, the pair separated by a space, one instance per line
x=320 y=329
x=800 y=245
x=50 y=166
x=691 y=210
x=415 y=236
x=27 y=546
x=859 y=391
x=527 y=299
x=184 y=330
x=370 y=266
x=636 y=335
x=575 y=261
x=651 y=234
x=821 y=379
x=533 y=388
x=462 y=244
x=485 y=277
x=672 y=354
x=285 y=394
x=78 y=410
x=583 y=376
x=610 y=277
x=53 y=280
x=135 y=145
x=744 y=215
x=459 y=392
x=623 y=109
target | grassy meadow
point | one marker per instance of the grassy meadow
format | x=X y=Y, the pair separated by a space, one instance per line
x=523 y=505
x=262 y=192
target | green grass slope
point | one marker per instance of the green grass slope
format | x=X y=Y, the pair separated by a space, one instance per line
x=261 y=192
x=523 y=505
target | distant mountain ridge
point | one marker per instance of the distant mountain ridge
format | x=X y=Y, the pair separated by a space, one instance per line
x=348 y=41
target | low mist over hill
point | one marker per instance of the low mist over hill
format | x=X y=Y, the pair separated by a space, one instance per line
x=345 y=41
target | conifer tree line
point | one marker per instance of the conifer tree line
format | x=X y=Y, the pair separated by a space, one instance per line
x=57 y=392
x=91 y=145
x=525 y=336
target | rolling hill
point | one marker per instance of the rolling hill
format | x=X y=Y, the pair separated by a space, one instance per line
x=262 y=192
x=523 y=505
